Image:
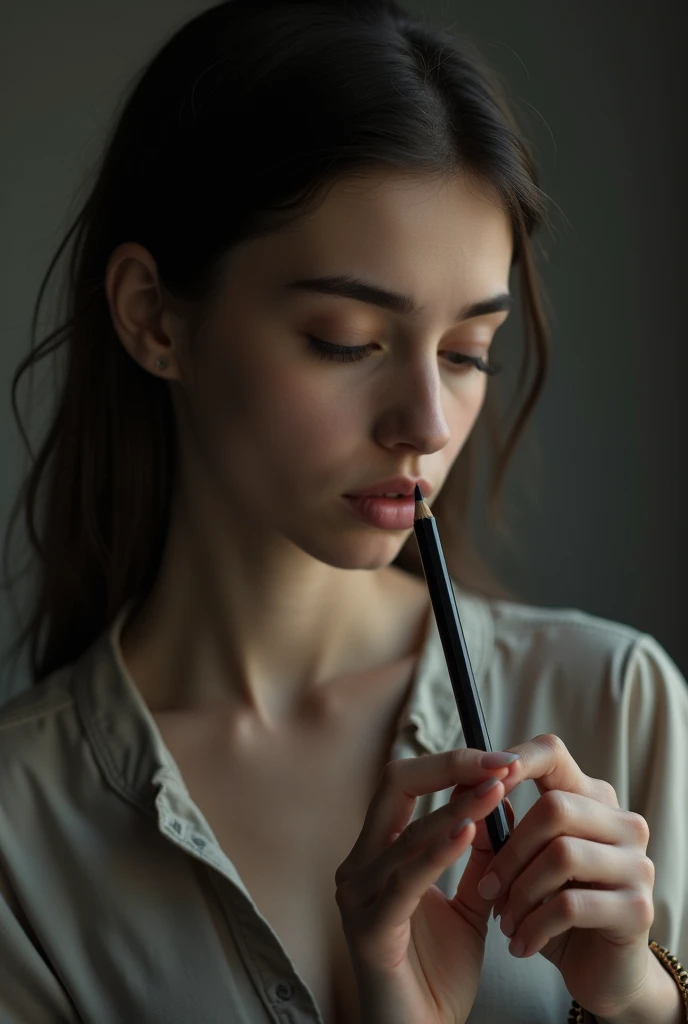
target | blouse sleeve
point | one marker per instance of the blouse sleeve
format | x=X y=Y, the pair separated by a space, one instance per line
x=654 y=724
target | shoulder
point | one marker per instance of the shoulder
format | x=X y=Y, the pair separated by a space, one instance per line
x=597 y=683
x=43 y=698
x=610 y=691
x=38 y=721
x=40 y=742
x=571 y=630
x=561 y=643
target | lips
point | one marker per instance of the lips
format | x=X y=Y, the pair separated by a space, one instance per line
x=384 y=513
x=403 y=485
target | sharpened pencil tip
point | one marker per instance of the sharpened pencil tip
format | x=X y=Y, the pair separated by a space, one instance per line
x=418 y=493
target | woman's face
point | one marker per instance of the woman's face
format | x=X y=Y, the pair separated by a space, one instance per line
x=284 y=433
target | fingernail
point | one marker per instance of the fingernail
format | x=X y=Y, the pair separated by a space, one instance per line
x=497 y=759
x=517 y=947
x=459 y=827
x=489 y=886
x=485 y=786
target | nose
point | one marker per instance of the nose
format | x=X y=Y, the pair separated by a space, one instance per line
x=412 y=411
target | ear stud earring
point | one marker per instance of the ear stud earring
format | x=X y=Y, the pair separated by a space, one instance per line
x=161 y=364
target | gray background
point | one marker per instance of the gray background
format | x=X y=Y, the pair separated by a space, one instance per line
x=598 y=498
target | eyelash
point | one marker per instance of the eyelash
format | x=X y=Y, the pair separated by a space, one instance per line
x=352 y=354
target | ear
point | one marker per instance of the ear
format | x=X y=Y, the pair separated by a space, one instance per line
x=149 y=329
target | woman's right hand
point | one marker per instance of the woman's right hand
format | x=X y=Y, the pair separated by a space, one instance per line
x=417 y=955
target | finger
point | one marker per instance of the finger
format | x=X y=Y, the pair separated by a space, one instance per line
x=405 y=885
x=481 y=840
x=546 y=760
x=406 y=865
x=567 y=860
x=467 y=895
x=620 y=914
x=482 y=855
x=401 y=782
x=558 y=813
x=483 y=845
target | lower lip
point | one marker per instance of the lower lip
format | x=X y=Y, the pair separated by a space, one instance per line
x=385 y=513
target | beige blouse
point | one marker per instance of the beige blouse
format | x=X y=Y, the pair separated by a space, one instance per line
x=117 y=903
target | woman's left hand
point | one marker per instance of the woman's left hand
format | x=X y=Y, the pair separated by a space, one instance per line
x=576 y=884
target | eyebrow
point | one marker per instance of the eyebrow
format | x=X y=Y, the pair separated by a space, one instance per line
x=354 y=288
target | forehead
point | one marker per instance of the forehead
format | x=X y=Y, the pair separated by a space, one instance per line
x=403 y=221
x=438 y=239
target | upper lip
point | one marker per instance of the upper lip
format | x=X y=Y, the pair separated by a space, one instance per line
x=394 y=485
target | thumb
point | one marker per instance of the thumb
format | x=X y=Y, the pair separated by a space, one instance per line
x=467 y=896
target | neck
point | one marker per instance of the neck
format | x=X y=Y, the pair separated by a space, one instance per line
x=227 y=626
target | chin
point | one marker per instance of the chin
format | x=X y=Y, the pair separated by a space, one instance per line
x=375 y=552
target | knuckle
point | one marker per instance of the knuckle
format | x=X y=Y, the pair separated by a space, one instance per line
x=456 y=759
x=639 y=827
x=395 y=880
x=553 y=742
x=643 y=909
x=410 y=836
x=646 y=870
x=607 y=792
x=517 y=895
x=343 y=895
x=390 y=773
x=556 y=806
x=341 y=874
x=569 y=905
x=562 y=854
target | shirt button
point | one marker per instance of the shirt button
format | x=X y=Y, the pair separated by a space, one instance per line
x=284 y=990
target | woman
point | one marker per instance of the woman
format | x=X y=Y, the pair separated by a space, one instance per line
x=231 y=794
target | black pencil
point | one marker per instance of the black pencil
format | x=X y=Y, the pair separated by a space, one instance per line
x=455 y=650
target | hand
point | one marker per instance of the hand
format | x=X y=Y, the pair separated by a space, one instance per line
x=576 y=885
x=417 y=955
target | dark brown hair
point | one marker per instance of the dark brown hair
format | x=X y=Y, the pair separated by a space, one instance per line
x=237 y=125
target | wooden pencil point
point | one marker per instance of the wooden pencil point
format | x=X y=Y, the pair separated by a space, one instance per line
x=422 y=508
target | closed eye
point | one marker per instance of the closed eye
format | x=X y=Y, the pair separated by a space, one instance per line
x=354 y=353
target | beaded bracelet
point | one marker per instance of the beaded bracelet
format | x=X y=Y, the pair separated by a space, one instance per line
x=668 y=960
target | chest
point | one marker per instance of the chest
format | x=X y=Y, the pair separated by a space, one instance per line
x=287 y=813
x=286 y=852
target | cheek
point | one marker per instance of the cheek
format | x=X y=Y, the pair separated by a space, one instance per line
x=305 y=418
x=473 y=403
x=461 y=409
x=258 y=410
